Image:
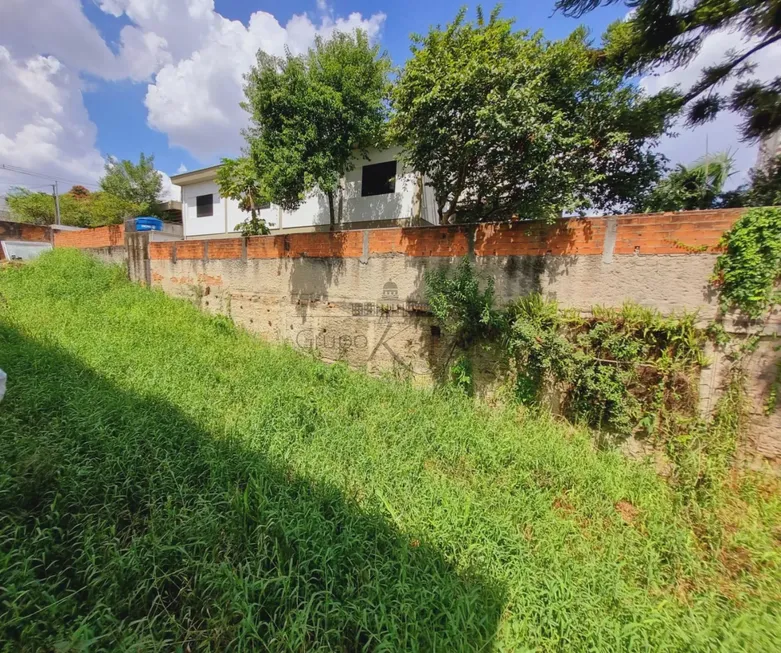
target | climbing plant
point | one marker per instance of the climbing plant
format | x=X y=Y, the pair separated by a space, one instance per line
x=464 y=309
x=750 y=267
x=618 y=371
x=623 y=372
x=466 y=313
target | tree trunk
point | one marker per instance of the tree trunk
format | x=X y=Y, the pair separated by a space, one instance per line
x=341 y=201
x=330 y=195
x=457 y=190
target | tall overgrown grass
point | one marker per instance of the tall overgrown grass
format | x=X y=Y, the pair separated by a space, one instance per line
x=170 y=481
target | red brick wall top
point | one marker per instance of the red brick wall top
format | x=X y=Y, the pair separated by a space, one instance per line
x=26 y=232
x=673 y=233
x=108 y=236
x=688 y=232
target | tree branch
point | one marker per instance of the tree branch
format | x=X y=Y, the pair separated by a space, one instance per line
x=701 y=88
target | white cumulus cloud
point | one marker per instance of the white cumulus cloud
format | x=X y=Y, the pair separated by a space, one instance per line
x=194 y=97
x=191 y=57
x=44 y=125
x=170 y=191
x=60 y=29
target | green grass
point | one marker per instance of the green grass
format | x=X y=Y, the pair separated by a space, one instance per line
x=167 y=480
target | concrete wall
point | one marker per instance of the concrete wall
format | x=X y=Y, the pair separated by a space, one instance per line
x=358 y=295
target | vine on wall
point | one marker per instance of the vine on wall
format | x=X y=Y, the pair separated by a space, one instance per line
x=748 y=271
x=623 y=372
x=620 y=371
x=617 y=370
x=628 y=371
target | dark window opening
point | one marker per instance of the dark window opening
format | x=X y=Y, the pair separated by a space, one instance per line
x=378 y=179
x=263 y=206
x=204 y=205
x=435 y=331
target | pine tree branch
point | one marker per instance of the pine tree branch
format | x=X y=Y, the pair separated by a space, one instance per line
x=700 y=88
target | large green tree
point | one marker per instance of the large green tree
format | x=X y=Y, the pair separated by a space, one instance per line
x=762 y=189
x=78 y=207
x=310 y=113
x=139 y=183
x=506 y=123
x=671 y=33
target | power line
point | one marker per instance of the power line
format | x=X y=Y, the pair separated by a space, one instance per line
x=23 y=171
x=32 y=188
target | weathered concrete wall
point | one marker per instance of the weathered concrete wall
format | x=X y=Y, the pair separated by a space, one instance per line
x=113 y=255
x=137 y=250
x=358 y=295
x=761 y=367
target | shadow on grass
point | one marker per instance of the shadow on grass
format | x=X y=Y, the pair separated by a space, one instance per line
x=123 y=524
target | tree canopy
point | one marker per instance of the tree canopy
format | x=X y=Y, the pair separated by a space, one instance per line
x=137 y=183
x=310 y=113
x=666 y=32
x=78 y=207
x=506 y=123
x=238 y=179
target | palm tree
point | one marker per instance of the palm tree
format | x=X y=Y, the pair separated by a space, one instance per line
x=697 y=186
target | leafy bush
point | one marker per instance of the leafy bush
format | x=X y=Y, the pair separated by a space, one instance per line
x=462 y=375
x=252 y=226
x=618 y=370
x=542 y=355
x=464 y=310
x=750 y=267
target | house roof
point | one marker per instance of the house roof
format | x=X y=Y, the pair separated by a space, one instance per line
x=195 y=176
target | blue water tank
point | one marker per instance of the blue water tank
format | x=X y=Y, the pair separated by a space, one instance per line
x=145 y=223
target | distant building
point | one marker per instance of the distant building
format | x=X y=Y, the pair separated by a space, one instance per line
x=769 y=149
x=171 y=211
x=379 y=192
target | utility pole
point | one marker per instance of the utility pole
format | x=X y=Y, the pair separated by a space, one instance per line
x=705 y=180
x=56 y=203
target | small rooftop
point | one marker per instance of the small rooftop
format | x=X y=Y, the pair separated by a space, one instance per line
x=195 y=176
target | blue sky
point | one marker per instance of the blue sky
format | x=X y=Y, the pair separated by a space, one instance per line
x=84 y=79
x=117 y=108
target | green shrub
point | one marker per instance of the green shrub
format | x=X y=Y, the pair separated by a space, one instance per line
x=618 y=370
x=464 y=310
x=749 y=269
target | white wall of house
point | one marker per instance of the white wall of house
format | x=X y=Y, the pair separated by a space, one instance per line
x=370 y=195
x=200 y=226
x=236 y=215
x=225 y=214
x=395 y=206
x=358 y=207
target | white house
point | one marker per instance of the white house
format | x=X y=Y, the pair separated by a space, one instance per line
x=379 y=191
